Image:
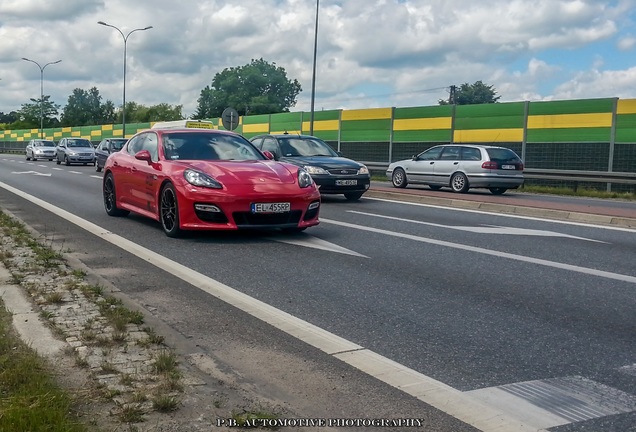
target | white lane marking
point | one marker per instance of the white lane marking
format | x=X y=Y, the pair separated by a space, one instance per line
x=433 y=392
x=43 y=166
x=481 y=212
x=491 y=229
x=58 y=169
x=570 y=267
x=316 y=243
x=98 y=177
x=75 y=172
x=31 y=172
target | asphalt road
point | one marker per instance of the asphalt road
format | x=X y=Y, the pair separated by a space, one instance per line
x=490 y=305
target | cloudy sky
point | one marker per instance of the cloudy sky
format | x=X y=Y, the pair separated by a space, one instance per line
x=371 y=53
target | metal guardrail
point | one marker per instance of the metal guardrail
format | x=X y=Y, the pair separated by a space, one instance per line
x=575 y=176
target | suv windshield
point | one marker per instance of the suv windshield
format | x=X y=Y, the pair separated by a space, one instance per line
x=45 y=143
x=305 y=146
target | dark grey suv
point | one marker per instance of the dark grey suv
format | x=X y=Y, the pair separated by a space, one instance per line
x=333 y=173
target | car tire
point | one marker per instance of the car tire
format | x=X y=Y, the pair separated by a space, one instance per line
x=434 y=187
x=110 y=197
x=50 y=160
x=27 y=157
x=66 y=161
x=34 y=159
x=57 y=161
x=497 y=190
x=98 y=168
x=353 y=196
x=398 y=178
x=169 y=211
x=459 y=183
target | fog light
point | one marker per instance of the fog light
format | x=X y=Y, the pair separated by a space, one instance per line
x=207 y=208
x=314 y=205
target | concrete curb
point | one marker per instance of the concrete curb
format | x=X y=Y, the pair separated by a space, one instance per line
x=590 y=218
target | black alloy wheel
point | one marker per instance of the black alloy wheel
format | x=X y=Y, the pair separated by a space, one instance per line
x=169 y=211
x=110 y=197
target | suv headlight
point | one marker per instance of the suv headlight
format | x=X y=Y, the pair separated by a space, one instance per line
x=197 y=178
x=304 y=179
x=363 y=170
x=314 y=170
x=72 y=153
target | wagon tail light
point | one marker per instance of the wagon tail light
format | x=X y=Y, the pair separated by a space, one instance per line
x=489 y=165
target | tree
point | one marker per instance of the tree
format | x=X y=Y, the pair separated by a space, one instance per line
x=137 y=113
x=28 y=116
x=85 y=108
x=255 y=88
x=468 y=94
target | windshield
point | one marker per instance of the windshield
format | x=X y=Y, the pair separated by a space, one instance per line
x=208 y=146
x=44 y=144
x=305 y=146
x=78 y=143
x=117 y=144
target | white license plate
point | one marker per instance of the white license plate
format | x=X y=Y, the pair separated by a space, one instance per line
x=271 y=207
x=508 y=167
x=346 y=182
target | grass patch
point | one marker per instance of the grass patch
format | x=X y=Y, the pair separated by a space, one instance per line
x=165 y=404
x=54 y=297
x=131 y=414
x=80 y=274
x=166 y=362
x=30 y=400
x=580 y=192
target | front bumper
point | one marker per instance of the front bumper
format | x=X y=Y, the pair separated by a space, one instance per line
x=332 y=184
x=220 y=209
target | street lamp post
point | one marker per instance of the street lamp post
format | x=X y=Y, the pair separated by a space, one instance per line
x=313 y=77
x=41 y=91
x=125 y=38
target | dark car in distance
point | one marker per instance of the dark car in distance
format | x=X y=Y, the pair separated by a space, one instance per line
x=105 y=148
x=333 y=173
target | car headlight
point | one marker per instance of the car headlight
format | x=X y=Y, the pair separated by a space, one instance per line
x=314 y=170
x=363 y=170
x=72 y=153
x=197 y=178
x=304 y=179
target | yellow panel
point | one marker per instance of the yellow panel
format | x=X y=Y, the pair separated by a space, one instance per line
x=96 y=133
x=57 y=134
x=107 y=127
x=559 y=121
x=14 y=135
x=76 y=133
x=323 y=125
x=28 y=134
x=626 y=106
x=256 y=128
x=20 y=139
x=367 y=114
x=35 y=131
x=67 y=129
x=422 y=123
x=488 y=135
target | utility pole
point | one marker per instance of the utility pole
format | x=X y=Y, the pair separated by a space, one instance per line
x=451 y=97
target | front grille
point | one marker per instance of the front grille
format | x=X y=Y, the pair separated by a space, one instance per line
x=248 y=218
x=86 y=154
x=343 y=171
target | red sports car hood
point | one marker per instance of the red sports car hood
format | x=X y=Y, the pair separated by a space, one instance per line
x=257 y=172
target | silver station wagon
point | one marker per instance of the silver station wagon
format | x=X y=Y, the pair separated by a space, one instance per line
x=460 y=167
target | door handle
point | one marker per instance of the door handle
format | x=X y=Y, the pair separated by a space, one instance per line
x=455 y=163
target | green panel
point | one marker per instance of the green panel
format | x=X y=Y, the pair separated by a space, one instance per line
x=423 y=112
x=322 y=115
x=490 y=110
x=569 y=135
x=256 y=119
x=626 y=128
x=285 y=122
x=434 y=135
x=327 y=135
x=366 y=130
x=580 y=106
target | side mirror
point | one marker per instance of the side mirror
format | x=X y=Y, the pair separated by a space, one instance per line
x=340 y=154
x=269 y=155
x=143 y=155
x=414 y=157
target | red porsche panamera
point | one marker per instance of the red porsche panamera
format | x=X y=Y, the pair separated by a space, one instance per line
x=206 y=179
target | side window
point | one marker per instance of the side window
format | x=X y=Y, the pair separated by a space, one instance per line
x=450 y=153
x=152 y=145
x=431 y=154
x=102 y=146
x=471 y=154
x=270 y=145
x=136 y=144
x=258 y=143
